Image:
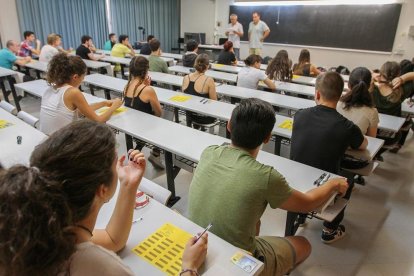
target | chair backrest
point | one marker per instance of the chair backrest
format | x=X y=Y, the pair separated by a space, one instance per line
x=8 y=107
x=28 y=118
x=155 y=191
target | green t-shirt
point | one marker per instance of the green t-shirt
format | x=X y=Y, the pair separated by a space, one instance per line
x=157 y=64
x=119 y=50
x=231 y=189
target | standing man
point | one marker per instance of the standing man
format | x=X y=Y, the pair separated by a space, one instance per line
x=234 y=32
x=258 y=31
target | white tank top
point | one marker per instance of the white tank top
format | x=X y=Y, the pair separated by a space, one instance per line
x=54 y=114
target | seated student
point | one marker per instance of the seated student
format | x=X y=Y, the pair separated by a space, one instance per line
x=61 y=49
x=146 y=49
x=321 y=136
x=50 y=49
x=121 y=49
x=190 y=56
x=279 y=68
x=226 y=55
x=30 y=46
x=304 y=67
x=139 y=94
x=357 y=105
x=109 y=44
x=198 y=84
x=239 y=188
x=63 y=102
x=250 y=75
x=86 y=49
x=8 y=55
x=49 y=210
x=156 y=63
x=390 y=91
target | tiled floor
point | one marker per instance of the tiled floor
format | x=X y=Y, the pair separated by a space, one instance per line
x=379 y=219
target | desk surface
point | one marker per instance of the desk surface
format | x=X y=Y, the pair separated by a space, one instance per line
x=154 y=215
x=37 y=65
x=6 y=72
x=93 y=64
x=12 y=153
x=218 y=76
x=211 y=47
x=311 y=80
x=225 y=68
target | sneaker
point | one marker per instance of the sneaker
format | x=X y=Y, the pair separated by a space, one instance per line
x=156 y=161
x=334 y=235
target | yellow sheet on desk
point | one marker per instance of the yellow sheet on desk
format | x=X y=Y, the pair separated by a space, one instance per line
x=218 y=65
x=180 y=98
x=295 y=77
x=287 y=124
x=164 y=248
x=4 y=124
x=119 y=110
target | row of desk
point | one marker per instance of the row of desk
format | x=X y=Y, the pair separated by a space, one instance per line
x=154 y=215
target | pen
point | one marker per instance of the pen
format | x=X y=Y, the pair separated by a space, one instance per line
x=205 y=230
x=201 y=100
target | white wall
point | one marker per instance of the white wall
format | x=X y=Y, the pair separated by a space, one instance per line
x=198 y=16
x=9 y=23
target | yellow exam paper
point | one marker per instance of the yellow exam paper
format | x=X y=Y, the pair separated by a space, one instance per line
x=295 y=77
x=180 y=98
x=164 y=248
x=4 y=124
x=287 y=124
x=119 y=110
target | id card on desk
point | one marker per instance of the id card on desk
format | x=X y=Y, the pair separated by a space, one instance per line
x=244 y=261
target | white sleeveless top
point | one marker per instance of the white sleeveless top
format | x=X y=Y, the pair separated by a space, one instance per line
x=54 y=114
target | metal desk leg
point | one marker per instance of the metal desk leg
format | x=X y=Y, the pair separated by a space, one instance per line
x=92 y=89
x=107 y=94
x=176 y=116
x=13 y=91
x=129 y=142
x=123 y=71
x=290 y=228
x=3 y=88
x=171 y=172
x=278 y=144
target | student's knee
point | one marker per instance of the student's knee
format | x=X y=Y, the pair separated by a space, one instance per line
x=301 y=246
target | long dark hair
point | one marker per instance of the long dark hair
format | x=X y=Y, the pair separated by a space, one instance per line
x=80 y=157
x=279 y=67
x=389 y=71
x=359 y=82
x=304 y=59
x=138 y=68
x=34 y=222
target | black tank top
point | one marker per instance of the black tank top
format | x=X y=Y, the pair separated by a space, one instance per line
x=191 y=89
x=138 y=104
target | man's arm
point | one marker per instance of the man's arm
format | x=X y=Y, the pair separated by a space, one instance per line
x=311 y=200
x=265 y=34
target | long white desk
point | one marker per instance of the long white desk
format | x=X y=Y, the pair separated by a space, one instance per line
x=312 y=81
x=242 y=64
x=12 y=153
x=218 y=76
x=152 y=130
x=225 y=68
x=41 y=67
x=8 y=75
x=154 y=215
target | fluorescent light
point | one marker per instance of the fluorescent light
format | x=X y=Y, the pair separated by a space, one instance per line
x=320 y=2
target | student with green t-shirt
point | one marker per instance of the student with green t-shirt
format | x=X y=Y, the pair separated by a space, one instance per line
x=156 y=64
x=232 y=190
x=121 y=49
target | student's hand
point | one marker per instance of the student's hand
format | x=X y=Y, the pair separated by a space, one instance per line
x=341 y=185
x=397 y=82
x=147 y=81
x=115 y=104
x=28 y=58
x=131 y=173
x=195 y=252
x=38 y=42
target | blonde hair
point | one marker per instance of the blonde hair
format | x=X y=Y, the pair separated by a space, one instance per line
x=52 y=38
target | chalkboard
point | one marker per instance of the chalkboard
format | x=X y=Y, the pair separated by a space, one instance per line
x=362 y=27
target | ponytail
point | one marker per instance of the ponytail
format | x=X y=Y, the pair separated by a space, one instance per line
x=359 y=82
x=34 y=221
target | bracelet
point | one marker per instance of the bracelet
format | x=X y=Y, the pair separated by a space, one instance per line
x=189 y=270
